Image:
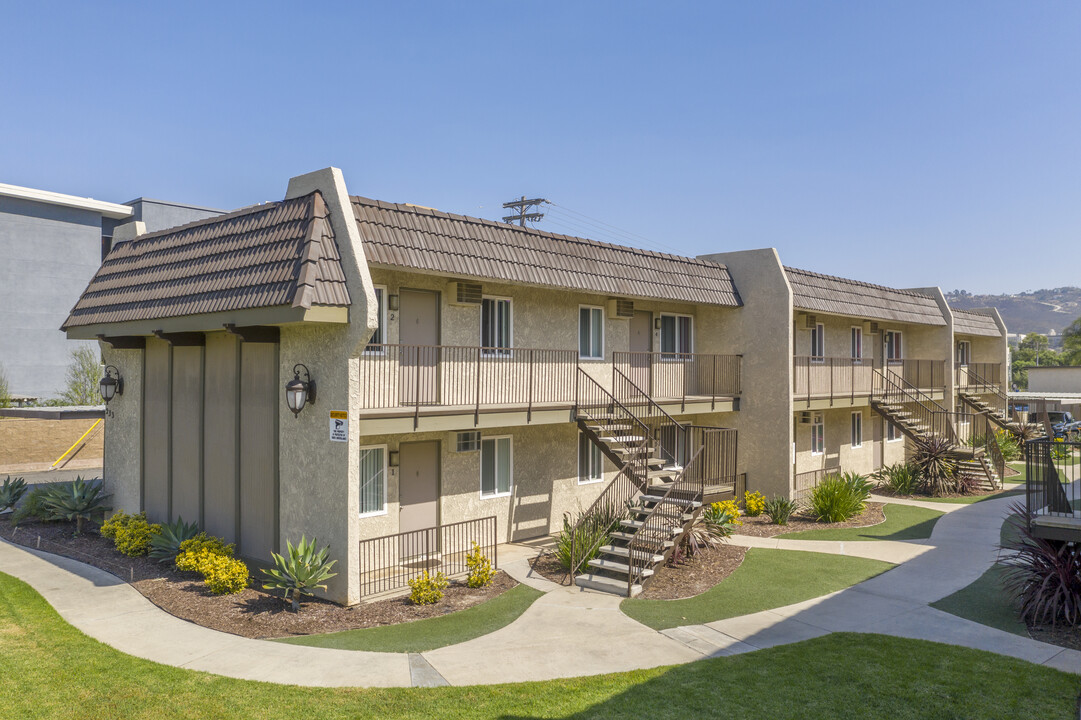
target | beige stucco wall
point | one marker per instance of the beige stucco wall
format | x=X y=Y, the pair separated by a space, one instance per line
x=1057 y=379
x=838 y=443
x=319 y=479
x=762 y=332
x=122 y=464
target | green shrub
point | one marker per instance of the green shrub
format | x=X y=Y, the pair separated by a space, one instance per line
x=165 y=544
x=11 y=492
x=202 y=540
x=578 y=541
x=900 y=478
x=937 y=466
x=33 y=508
x=77 y=501
x=838 y=498
x=1009 y=446
x=304 y=570
x=754 y=503
x=722 y=518
x=1060 y=451
x=223 y=575
x=131 y=534
x=427 y=590
x=778 y=509
x=479 y=567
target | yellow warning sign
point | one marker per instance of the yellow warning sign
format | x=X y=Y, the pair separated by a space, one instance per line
x=339 y=414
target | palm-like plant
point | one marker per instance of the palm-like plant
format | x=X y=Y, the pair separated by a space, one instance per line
x=11 y=492
x=304 y=570
x=937 y=466
x=1043 y=575
x=166 y=544
x=76 y=501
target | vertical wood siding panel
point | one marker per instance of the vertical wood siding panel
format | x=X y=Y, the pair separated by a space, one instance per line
x=156 y=415
x=187 y=409
x=259 y=398
x=219 y=441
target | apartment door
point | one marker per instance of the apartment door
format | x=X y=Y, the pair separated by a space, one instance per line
x=641 y=345
x=419 y=352
x=418 y=498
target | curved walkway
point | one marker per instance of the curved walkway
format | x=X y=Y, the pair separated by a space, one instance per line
x=568 y=632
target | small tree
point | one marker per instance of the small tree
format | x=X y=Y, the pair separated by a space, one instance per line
x=1071 y=343
x=84 y=373
x=5 y=390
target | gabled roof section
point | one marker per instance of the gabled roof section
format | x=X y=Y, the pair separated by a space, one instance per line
x=841 y=296
x=416 y=238
x=275 y=254
x=974 y=322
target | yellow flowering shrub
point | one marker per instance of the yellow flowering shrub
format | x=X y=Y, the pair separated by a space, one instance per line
x=223 y=575
x=731 y=507
x=427 y=590
x=754 y=503
x=479 y=567
x=130 y=533
x=193 y=550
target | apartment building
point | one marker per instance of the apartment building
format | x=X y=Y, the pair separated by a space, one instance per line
x=400 y=381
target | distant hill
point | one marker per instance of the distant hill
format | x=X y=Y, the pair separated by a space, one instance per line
x=1039 y=311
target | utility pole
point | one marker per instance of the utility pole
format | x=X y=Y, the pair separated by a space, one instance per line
x=522 y=205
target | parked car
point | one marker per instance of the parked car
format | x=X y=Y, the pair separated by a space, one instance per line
x=1064 y=424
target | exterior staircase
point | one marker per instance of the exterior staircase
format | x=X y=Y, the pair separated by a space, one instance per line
x=657 y=494
x=922 y=419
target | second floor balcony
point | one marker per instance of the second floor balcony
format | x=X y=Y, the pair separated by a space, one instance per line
x=827 y=381
x=401 y=384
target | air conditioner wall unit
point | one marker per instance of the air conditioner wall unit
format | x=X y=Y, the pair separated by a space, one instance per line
x=805 y=418
x=810 y=322
x=465 y=293
x=620 y=308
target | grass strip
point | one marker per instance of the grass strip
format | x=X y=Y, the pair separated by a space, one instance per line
x=48 y=669
x=903 y=522
x=767 y=579
x=431 y=633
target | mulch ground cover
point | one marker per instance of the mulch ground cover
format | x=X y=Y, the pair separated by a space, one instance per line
x=761 y=526
x=982 y=492
x=253 y=613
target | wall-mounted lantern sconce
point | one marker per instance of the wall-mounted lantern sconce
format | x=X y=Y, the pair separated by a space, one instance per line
x=299 y=393
x=656 y=323
x=111 y=385
x=392 y=302
x=393 y=458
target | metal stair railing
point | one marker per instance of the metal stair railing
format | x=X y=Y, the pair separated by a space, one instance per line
x=891 y=389
x=663 y=519
x=669 y=434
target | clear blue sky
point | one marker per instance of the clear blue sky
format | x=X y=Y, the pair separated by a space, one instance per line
x=907 y=143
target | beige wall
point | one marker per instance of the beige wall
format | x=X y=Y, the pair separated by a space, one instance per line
x=1062 y=380
x=762 y=330
x=838 y=441
x=122 y=465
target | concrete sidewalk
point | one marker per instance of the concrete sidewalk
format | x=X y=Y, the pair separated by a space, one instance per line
x=567 y=632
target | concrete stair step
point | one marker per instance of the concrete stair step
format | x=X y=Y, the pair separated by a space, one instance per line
x=616 y=567
x=607 y=585
x=628 y=536
x=676 y=501
x=622 y=439
x=626 y=552
x=638 y=524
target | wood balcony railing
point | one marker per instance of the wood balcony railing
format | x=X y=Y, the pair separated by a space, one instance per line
x=979 y=377
x=682 y=377
x=836 y=378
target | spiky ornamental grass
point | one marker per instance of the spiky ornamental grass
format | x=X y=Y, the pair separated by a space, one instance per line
x=302 y=572
x=1044 y=576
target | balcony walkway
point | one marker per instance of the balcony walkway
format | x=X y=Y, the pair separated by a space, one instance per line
x=557 y=635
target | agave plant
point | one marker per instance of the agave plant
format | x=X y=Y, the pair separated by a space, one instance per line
x=936 y=464
x=11 y=492
x=1043 y=575
x=76 y=501
x=166 y=544
x=304 y=570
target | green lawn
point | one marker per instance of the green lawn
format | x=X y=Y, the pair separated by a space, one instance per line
x=423 y=635
x=903 y=522
x=50 y=670
x=969 y=499
x=767 y=579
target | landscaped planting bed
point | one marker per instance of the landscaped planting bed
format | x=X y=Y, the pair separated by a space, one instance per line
x=696 y=574
x=254 y=612
x=760 y=526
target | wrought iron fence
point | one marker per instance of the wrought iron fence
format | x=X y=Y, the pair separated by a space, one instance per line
x=1052 y=471
x=804 y=482
x=388 y=563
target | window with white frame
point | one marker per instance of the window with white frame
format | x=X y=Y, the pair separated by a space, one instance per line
x=892 y=345
x=857 y=343
x=496 y=466
x=892 y=432
x=964 y=352
x=591 y=333
x=379 y=337
x=818 y=342
x=590 y=461
x=818 y=435
x=373 y=480
x=677 y=333
x=495 y=326
x=857 y=429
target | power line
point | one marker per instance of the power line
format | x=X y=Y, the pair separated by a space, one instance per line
x=596 y=226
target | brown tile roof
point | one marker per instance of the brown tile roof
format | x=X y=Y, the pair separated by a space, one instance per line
x=974 y=322
x=280 y=253
x=840 y=296
x=418 y=238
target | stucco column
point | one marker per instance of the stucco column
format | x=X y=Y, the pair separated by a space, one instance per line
x=123 y=467
x=944 y=342
x=763 y=335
